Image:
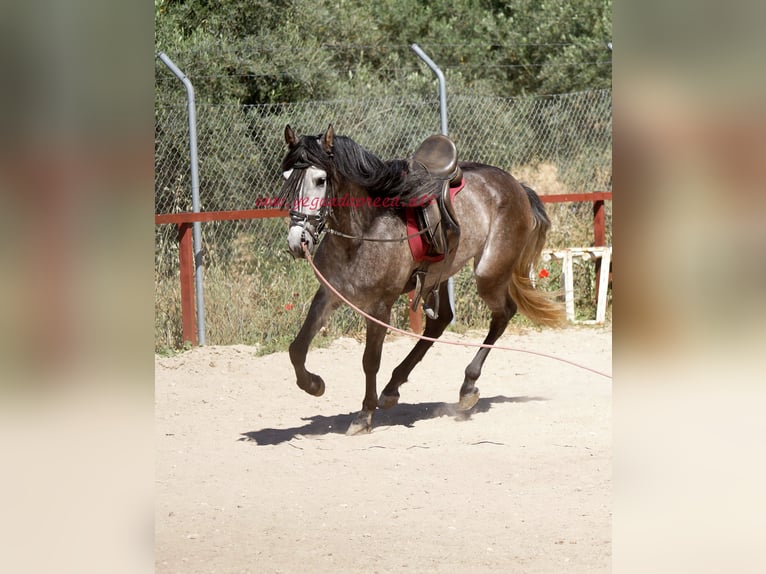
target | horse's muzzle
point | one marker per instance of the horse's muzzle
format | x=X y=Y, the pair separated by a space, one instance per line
x=296 y=237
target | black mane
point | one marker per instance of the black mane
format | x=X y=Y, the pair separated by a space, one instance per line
x=350 y=161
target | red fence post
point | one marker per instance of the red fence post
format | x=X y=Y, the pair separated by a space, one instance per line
x=186 y=267
x=416 y=316
x=599 y=223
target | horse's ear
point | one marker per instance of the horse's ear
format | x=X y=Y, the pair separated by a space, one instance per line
x=327 y=140
x=290 y=138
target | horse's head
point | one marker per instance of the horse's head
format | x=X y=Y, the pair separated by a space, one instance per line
x=307 y=168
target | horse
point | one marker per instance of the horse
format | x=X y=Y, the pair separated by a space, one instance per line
x=335 y=184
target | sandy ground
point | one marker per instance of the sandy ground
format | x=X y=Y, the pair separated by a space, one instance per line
x=254 y=475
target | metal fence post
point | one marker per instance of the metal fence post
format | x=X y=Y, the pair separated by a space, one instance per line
x=443 y=116
x=442 y=85
x=196 y=226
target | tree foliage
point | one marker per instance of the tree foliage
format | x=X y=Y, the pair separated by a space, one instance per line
x=264 y=51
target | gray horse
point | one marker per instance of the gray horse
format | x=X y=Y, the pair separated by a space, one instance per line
x=334 y=184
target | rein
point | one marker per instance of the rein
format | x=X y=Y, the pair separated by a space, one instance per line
x=381 y=240
x=432 y=339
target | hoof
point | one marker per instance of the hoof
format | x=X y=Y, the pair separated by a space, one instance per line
x=388 y=401
x=468 y=400
x=362 y=424
x=315 y=386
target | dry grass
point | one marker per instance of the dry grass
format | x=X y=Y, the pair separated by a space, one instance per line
x=267 y=310
x=542 y=177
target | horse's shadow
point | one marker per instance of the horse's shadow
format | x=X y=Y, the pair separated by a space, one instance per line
x=403 y=414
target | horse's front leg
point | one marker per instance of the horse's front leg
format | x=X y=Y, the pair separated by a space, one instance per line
x=373 y=348
x=321 y=307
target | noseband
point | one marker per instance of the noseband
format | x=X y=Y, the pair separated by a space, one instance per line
x=312 y=224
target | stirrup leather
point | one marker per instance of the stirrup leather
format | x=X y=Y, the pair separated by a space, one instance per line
x=437 y=155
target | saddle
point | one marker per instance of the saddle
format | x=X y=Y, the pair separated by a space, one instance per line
x=437 y=157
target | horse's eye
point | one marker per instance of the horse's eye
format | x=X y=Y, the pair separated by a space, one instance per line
x=320 y=181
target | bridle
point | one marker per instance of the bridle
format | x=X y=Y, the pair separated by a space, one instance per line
x=313 y=224
x=383 y=239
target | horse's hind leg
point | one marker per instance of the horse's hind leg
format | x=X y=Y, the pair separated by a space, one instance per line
x=503 y=309
x=434 y=328
x=321 y=306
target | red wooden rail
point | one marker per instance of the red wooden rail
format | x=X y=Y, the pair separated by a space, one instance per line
x=184 y=222
x=187 y=217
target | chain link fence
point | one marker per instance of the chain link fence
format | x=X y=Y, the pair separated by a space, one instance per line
x=254 y=292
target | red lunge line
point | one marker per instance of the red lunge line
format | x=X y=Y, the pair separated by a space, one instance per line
x=424 y=338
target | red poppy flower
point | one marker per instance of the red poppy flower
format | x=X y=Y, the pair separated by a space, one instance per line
x=544 y=272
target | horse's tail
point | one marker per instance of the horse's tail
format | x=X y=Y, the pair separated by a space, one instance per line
x=539 y=306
